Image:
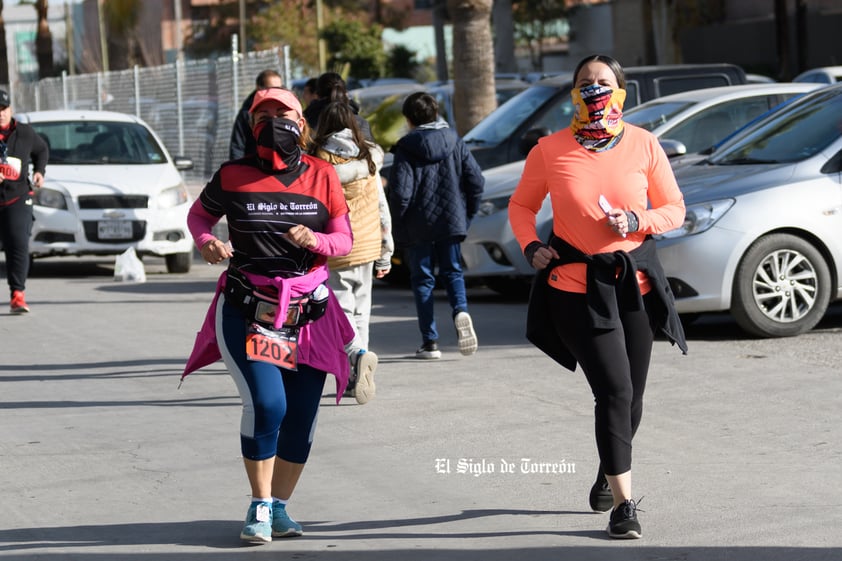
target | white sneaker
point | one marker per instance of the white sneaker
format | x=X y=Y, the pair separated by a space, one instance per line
x=465 y=334
x=364 y=389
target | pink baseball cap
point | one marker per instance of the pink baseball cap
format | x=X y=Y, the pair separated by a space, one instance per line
x=284 y=97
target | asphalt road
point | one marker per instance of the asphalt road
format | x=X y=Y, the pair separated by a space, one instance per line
x=103 y=457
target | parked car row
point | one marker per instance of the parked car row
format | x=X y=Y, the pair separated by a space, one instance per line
x=762 y=185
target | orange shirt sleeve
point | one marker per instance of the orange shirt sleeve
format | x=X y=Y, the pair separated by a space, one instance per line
x=666 y=202
x=528 y=197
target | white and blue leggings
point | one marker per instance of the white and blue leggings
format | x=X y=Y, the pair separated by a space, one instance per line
x=280 y=406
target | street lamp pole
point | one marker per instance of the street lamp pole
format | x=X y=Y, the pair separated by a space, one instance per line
x=179 y=47
x=71 y=51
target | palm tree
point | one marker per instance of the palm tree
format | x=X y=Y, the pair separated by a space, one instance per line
x=121 y=20
x=473 y=62
x=43 y=42
x=504 y=34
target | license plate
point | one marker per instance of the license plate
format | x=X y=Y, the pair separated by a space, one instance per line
x=114 y=230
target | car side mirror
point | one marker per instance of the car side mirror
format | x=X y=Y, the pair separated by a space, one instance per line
x=673 y=147
x=530 y=138
x=834 y=164
x=182 y=163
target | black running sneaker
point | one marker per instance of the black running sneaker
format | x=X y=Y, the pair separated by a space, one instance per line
x=623 y=523
x=601 y=498
x=429 y=350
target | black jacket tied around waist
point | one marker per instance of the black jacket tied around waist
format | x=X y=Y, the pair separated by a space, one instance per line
x=611 y=286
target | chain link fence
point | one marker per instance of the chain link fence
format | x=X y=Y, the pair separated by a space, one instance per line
x=190 y=105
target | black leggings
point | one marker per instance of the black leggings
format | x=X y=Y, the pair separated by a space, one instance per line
x=615 y=363
x=15 y=227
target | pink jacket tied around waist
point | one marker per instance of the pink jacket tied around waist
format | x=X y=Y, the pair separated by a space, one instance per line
x=320 y=344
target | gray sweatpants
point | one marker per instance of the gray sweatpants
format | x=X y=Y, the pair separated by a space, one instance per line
x=352 y=287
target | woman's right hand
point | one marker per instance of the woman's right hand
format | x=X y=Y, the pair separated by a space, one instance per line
x=539 y=254
x=543 y=256
x=216 y=251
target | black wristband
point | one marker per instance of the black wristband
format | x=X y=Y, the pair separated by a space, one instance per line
x=634 y=224
x=529 y=250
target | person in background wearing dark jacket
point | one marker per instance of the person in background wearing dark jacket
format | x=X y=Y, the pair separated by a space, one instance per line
x=434 y=191
x=308 y=92
x=19 y=144
x=242 y=140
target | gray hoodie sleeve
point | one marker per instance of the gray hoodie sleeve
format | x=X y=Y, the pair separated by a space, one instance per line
x=353 y=170
x=387 y=244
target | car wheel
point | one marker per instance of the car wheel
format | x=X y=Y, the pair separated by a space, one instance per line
x=782 y=287
x=179 y=262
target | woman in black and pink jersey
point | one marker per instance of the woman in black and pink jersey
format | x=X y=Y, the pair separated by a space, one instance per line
x=274 y=321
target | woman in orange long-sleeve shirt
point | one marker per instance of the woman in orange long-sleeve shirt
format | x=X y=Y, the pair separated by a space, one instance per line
x=600 y=291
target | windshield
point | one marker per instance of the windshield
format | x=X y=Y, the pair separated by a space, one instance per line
x=654 y=114
x=99 y=142
x=792 y=134
x=502 y=122
x=444 y=96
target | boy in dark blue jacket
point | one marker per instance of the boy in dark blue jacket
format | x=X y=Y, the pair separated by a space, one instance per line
x=434 y=191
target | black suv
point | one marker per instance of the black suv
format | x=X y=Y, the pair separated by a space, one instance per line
x=508 y=133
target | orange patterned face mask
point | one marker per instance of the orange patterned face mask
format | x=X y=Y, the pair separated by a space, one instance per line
x=597 y=116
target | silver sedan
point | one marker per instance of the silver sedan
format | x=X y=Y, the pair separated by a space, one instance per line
x=762 y=236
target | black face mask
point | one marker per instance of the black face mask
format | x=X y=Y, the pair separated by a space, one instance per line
x=277 y=143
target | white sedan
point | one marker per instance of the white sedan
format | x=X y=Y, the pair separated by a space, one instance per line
x=821 y=75
x=110 y=185
x=701 y=118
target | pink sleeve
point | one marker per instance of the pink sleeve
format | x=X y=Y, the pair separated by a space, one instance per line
x=200 y=223
x=336 y=239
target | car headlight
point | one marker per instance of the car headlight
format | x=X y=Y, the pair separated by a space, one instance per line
x=699 y=218
x=50 y=198
x=173 y=196
x=490 y=206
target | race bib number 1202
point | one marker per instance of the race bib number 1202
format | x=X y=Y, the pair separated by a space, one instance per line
x=275 y=347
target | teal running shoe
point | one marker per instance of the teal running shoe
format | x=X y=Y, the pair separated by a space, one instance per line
x=258 y=528
x=282 y=525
